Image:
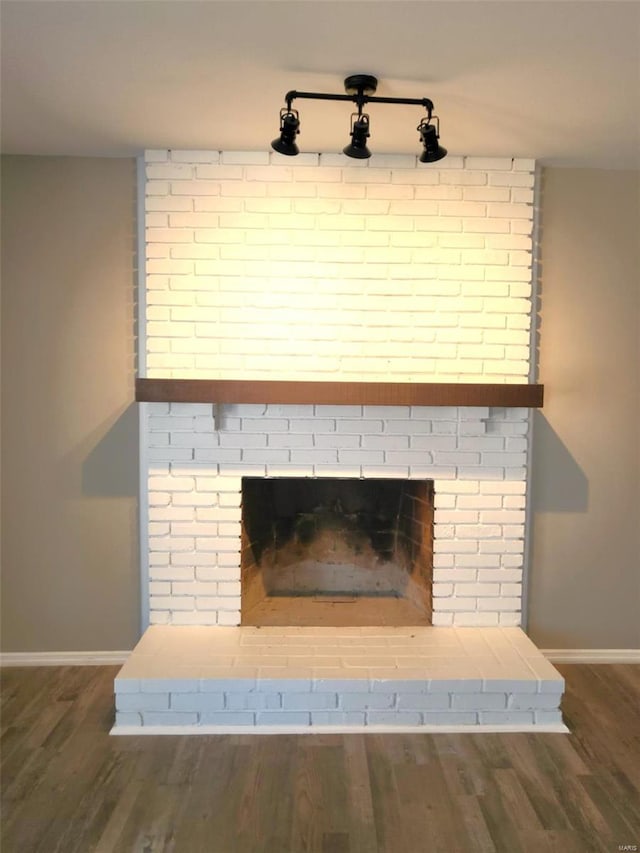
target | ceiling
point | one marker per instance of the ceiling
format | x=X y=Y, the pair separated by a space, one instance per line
x=558 y=81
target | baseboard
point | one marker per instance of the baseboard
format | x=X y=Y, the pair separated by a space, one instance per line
x=592 y=655
x=113 y=658
x=540 y=728
x=63 y=658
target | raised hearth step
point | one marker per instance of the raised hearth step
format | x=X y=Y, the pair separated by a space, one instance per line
x=205 y=680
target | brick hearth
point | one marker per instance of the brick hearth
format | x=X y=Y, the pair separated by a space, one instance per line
x=214 y=680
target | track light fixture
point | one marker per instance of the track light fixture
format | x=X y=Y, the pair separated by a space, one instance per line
x=289 y=129
x=357 y=148
x=429 y=135
x=360 y=89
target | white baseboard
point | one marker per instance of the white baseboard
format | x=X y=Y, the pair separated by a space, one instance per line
x=540 y=728
x=63 y=658
x=113 y=658
x=592 y=655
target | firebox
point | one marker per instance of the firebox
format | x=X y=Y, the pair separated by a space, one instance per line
x=332 y=551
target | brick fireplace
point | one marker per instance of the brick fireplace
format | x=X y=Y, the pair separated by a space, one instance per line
x=348 y=271
x=476 y=459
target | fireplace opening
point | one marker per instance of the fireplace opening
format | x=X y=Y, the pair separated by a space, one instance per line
x=336 y=551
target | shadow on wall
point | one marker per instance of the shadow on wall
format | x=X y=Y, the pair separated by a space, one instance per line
x=567 y=490
x=111 y=468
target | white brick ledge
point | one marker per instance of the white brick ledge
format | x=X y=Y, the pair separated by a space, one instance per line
x=345 y=679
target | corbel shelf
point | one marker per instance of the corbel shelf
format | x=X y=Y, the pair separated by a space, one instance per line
x=230 y=391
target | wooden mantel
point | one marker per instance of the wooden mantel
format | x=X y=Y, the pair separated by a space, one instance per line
x=230 y=391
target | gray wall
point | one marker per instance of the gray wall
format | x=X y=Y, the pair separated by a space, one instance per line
x=69 y=428
x=585 y=570
x=69 y=549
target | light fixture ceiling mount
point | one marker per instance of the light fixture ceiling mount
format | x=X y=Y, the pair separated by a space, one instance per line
x=359 y=84
x=360 y=89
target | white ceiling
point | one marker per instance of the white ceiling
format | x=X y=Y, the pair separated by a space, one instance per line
x=558 y=81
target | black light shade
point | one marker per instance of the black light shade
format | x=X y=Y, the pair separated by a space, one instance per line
x=429 y=136
x=357 y=148
x=289 y=129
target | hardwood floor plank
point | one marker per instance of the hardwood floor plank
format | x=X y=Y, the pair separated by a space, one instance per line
x=108 y=839
x=536 y=783
x=387 y=811
x=582 y=814
x=310 y=806
x=469 y=812
x=335 y=842
x=463 y=769
x=204 y=817
x=500 y=823
x=553 y=841
x=620 y=816
x=265 y=812
x=426 y=810
x=362 y=831
x=517 y=803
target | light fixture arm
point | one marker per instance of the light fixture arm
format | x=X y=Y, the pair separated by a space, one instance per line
x=359 y=99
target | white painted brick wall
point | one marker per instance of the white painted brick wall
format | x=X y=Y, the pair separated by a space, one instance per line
x=194 y=542
x=322 y=268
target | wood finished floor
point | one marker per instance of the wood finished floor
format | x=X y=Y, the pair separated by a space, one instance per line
x=70 y=788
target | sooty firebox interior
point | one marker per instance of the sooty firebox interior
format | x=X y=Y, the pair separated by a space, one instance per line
x=336 y=551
